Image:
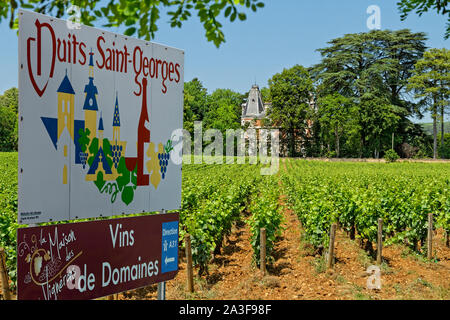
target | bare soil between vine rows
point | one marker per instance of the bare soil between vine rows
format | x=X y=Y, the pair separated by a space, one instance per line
x=299 y=274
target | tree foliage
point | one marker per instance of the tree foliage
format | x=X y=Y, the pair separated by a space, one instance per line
x=372 y=68
x=219 y=110
x=431 y=84
x=336 y=114
x=10 y=99
x=140 y=17
x=9 y=134
x=291 y=92
x=422 y=6
x=224 y=110
x=195 y=103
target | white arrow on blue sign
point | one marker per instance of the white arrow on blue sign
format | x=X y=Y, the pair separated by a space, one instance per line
x=169 y=247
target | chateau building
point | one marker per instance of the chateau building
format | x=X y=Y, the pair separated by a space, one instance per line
x=255 y=110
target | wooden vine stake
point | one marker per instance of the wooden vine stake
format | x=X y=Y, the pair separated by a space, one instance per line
x=430 y=237
x=330 y=260
x=262 y=251
x=4 y=275
x=189 y=269
x=380 y=241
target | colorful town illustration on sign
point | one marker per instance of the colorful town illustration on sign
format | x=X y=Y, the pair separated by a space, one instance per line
x=102 y=157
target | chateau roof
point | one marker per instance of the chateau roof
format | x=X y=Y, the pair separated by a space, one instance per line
x=254 y=107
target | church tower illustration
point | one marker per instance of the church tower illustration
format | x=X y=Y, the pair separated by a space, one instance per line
x=116 y=121
x=66 y=101
x=64 y=129
x=117 y=146
x=90 y=106
x=66 y=98
x=101 y=128
x=100 y=165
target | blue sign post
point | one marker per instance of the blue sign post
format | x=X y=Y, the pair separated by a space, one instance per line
x=169 y=247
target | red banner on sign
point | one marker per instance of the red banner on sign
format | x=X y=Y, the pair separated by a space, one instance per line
x=88 y=260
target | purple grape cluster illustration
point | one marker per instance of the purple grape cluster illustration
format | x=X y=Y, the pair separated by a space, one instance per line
x=163 y=163
x=116 y=154
x=83 y=158
x=164 y=158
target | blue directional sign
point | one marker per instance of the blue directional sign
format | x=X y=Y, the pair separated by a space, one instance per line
x=169 y=248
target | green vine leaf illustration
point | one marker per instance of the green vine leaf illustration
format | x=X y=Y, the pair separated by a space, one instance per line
x=124 y=175
x=93 y=149
x=107 y=151
x=127 y=195
x=84 y=140
x=100 y=182
x=123 y=182
x=169 y=146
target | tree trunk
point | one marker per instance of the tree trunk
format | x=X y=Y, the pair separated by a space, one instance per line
x=392 y=140
x=336 y=132
x=434 y=116
x=362 y=144
x=442 y=126
x=377 y=148
x=292 y=143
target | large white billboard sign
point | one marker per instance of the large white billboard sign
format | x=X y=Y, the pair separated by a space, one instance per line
x=97 y=111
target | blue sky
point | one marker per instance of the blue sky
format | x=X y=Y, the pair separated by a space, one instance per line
x=282 y=34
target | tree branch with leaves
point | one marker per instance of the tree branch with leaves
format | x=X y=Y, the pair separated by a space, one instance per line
x=140 y=17
x=422 y=6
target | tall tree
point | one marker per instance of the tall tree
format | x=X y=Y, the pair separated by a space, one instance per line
x=10 y=99
x=140 y=17
x=336 y=112
x=380 y=118
x=195 y=103
x=265 y=94
x=431 y=84
x=222 y=117
x=374 y=64
x=8 y=129
x=9 y=103
x=291 y=92
x=221 y=98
